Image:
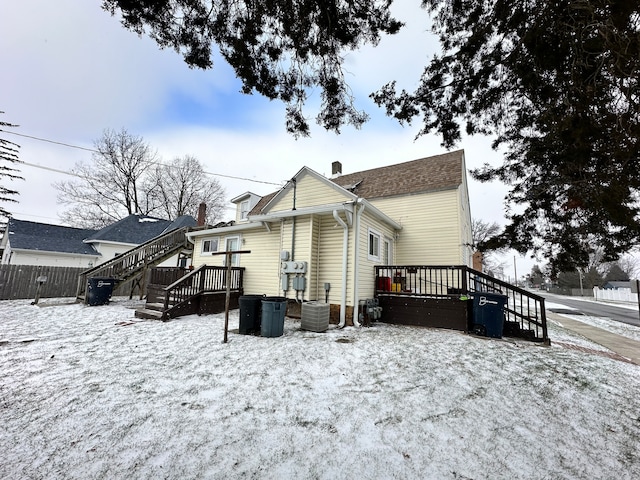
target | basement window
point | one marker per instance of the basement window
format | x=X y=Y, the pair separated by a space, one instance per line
x=210 y=245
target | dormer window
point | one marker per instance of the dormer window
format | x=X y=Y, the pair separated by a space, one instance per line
x=244 y=210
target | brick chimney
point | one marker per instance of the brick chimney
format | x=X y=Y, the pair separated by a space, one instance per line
x=478 y=261
x=202 y=214
x=336 y=169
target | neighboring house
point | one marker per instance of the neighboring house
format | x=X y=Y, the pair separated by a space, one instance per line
x=132 y=231
x=616 y=285
x=320 y=238
x=32 y=243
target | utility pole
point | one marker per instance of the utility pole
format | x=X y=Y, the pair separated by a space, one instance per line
x=515 y=272
x=580 y=275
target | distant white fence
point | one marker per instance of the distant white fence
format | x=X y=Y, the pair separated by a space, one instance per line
x=616 y=295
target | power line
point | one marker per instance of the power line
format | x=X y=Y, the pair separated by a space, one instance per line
x=49 y=141
x=51 y=169
x=233 y=177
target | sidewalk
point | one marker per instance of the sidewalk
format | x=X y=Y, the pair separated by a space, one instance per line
x=623 y=346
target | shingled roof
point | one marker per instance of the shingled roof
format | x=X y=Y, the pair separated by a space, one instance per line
x=43 y=237
x=138 y=229
x=423 y=175
x=438 y=172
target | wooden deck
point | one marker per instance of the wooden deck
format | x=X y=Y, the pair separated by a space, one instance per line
x=441 y=297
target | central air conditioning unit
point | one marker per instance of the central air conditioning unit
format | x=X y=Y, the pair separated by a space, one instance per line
x=315 y=316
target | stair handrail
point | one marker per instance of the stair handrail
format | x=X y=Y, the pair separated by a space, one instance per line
x=136 y=257
x=197 y=282
x=187 y=279
x=510 y=291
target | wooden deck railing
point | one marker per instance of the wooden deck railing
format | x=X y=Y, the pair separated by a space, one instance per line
x=204 y=279
x=524 y=308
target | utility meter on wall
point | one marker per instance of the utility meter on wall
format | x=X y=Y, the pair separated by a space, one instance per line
x=293 y=267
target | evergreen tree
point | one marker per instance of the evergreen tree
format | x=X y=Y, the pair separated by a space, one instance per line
x=616 y=274
x=555 y=83
x=8 y=158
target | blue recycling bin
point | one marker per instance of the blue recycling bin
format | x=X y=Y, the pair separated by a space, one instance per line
x=99 y=290
x=488 y=314
x=273 y=312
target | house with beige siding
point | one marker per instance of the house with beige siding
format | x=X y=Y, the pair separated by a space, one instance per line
x=319 y=239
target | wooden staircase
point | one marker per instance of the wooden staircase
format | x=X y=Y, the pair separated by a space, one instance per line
x=132 y=265
x=202 y=290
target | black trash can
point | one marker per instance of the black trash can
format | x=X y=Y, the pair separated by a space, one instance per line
x=488 y=314
x=99 y=290
x=250 y=308
x=273 y=312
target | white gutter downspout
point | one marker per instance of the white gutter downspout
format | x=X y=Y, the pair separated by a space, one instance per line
x=345 y=248
x=356 y=299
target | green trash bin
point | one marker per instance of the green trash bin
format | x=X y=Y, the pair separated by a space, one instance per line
x=273 y=312
x=488 y=314
x=99 y=290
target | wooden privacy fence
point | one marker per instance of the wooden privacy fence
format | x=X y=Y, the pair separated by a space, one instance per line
x=20 y=281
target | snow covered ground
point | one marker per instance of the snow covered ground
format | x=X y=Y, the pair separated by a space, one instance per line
x=604 y=323
x=91 y=392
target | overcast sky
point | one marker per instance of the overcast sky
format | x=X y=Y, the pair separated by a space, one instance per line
x=70 y=70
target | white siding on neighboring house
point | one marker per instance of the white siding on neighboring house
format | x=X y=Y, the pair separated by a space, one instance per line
x=431 y=233
x=109 y=250
x=54 y=259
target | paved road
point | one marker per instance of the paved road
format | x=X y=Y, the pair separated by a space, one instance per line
x=598 y=309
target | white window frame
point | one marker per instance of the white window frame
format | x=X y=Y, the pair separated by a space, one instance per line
x=377 y=237
x=210 y=251
x=244 y=209
x=235 y=259
x=389 y=251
